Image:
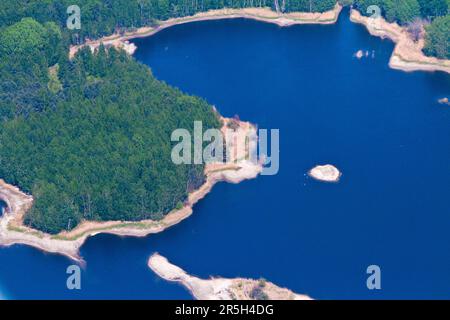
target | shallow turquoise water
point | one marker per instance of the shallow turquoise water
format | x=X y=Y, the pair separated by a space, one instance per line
x=383 y=128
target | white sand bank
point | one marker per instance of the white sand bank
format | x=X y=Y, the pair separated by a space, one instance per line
x=220 y=288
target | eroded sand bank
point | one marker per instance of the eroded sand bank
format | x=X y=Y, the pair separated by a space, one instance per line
x=13 y=231
x=221 y=288
x=407 y=55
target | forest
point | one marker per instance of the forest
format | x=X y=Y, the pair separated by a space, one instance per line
x=89 y=138
x=102 y=18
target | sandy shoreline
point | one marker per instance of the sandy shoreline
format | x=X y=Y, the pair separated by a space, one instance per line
x=13 y=231
x=259 y=14
x=220 y=288
x=407 y=54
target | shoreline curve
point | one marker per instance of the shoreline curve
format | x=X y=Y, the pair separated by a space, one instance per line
x=406 y=56
x=12 y=230
x=263 y=14
x=68 y=243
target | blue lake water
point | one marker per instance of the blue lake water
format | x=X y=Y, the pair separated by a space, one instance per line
x=382 y=128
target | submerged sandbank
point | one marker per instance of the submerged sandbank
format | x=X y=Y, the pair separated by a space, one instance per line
x=13 y=231
x=221 y=288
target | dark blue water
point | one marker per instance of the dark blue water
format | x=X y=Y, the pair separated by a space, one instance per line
x=383 y=128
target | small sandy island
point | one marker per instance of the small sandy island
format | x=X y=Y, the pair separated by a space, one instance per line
x=221 y=288
x=260 y=14
x=237 y=168
x=407 y=55
x=444 y=101
x=359 y=54
x=327 y=173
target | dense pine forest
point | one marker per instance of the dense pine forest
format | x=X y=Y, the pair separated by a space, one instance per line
x=105 y=17
x=90 y=137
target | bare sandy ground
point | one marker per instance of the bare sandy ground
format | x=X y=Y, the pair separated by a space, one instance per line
x=407 y=55
x=219 y=288
x=327 y=173
x=260 y=14
x=13 y=231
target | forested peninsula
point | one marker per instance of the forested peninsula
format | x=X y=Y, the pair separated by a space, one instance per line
x=89 y=137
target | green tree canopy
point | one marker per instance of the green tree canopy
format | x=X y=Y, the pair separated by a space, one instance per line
x=433 y=8
x=23 y=38
x=437 y=40
x=90 y=137
x=402 y=11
